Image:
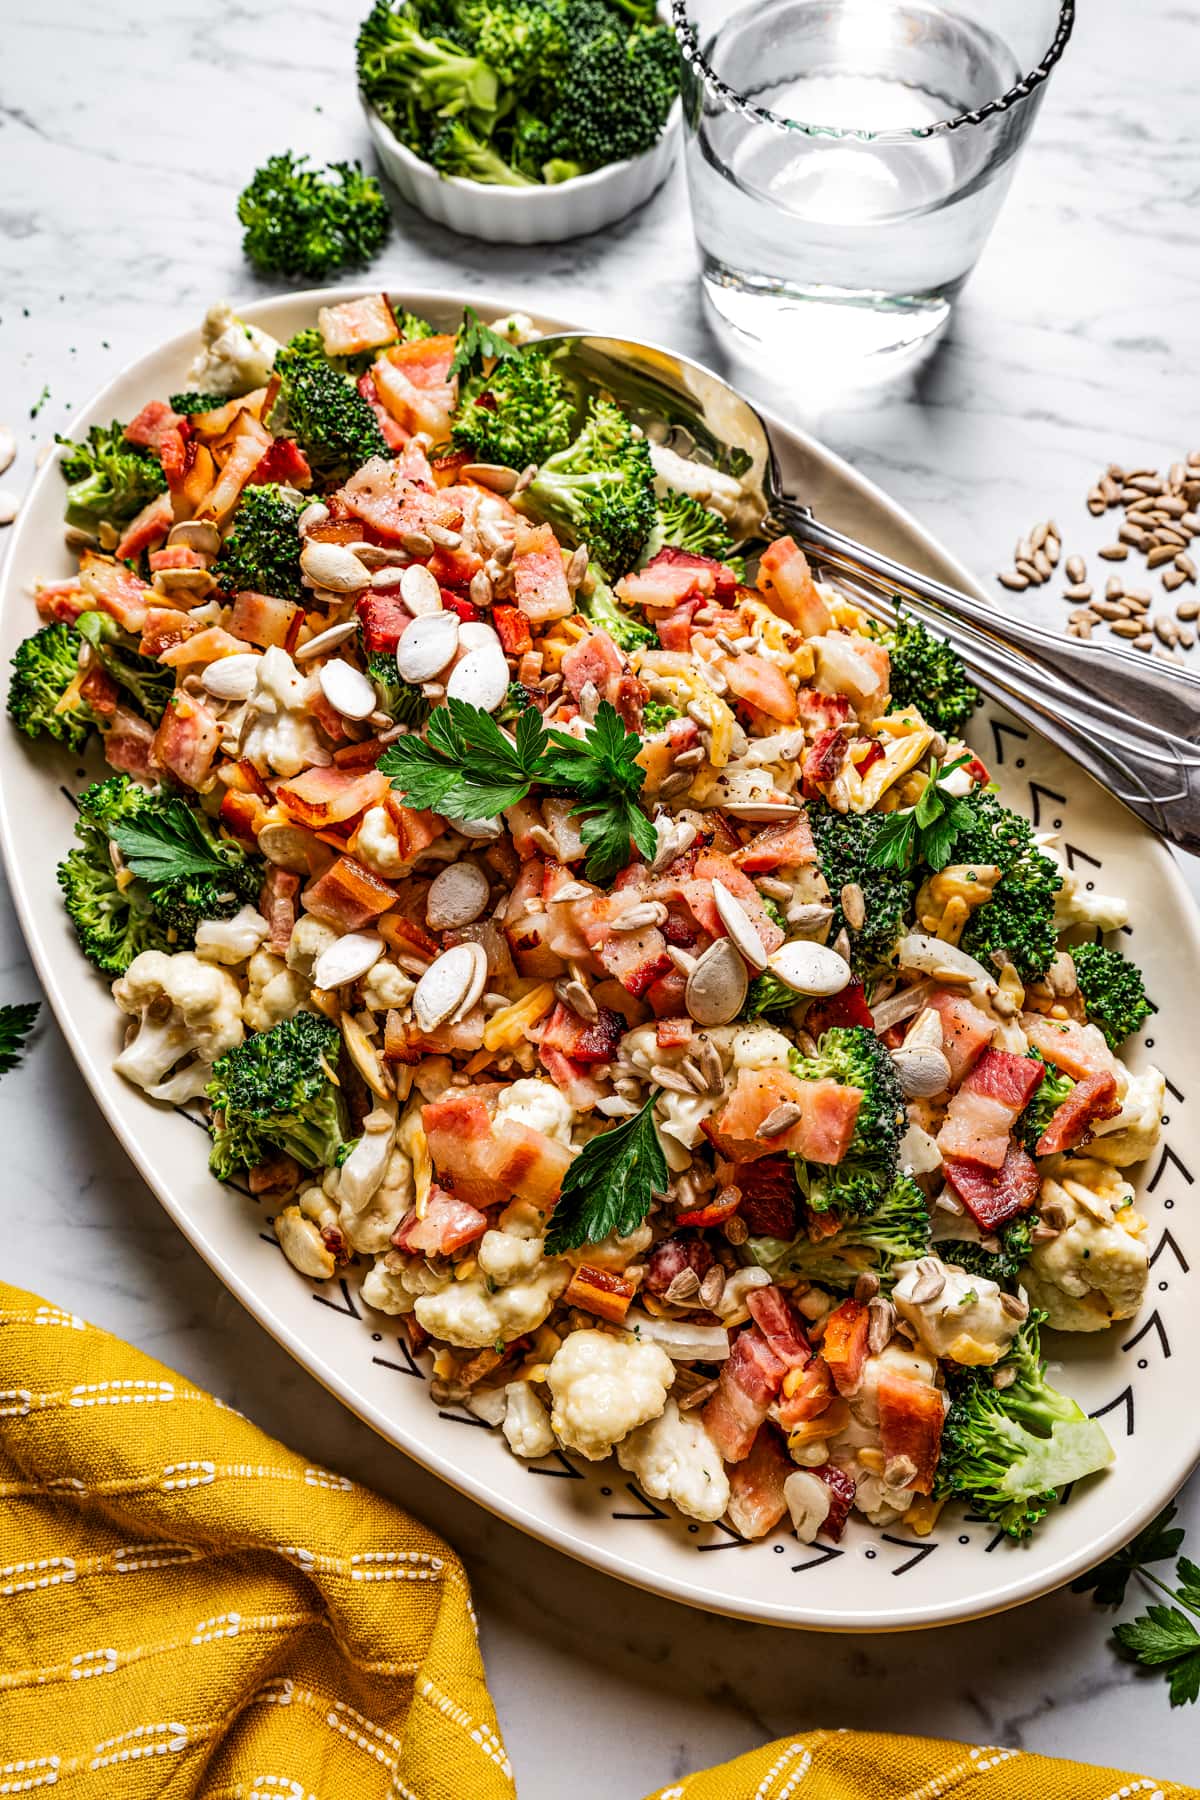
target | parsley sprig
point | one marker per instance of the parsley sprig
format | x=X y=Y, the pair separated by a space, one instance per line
x=925 y=832
x=16 y=1023
x=476 y=342
x=1162 y=1637
x=467 y=768
x=168 y=845
x=610 y=1184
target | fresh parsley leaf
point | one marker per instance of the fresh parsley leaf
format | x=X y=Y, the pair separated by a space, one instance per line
x=1187 y=1574
x=1154 y=1543
x=466 y=767
x=16 y=1023
x=896 y=840
x=927 y=830
x=1162 y=1636
x=168 y=845
x=603 y=770
x=476 y=342
x=610 y=1184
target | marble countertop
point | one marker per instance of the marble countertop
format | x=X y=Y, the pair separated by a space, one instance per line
x=124 y=137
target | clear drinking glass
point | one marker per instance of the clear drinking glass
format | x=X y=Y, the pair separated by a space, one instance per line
x=847 y=158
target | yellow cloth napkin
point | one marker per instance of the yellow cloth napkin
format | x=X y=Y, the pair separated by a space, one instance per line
x=188 y=1608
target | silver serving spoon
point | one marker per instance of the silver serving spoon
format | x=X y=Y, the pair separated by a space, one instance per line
x=1129 y=720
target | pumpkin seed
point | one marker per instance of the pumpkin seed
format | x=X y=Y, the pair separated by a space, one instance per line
x=347 y=959
x=419 y=591
x=328 y=639
x=333 y=566
x=200 y=535
x=809 y=968
x=347 y=689
x=456 y=897
x=716 y=987
x=762 y=812
x=921 y=1071
x=481 y=678
x=445 y=984
x=427 y=645
x=231 y=677
x=737 y=923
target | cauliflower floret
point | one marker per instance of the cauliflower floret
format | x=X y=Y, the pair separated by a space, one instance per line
x=614 y=1251
x=365 y=1167
x=385 y=985
x=517 y=327
x=275 y=992
x=1074 y=905
x=396 y=1282
x=604 y=1387
x=370 y=1229
x=759 y=1047
x=541 y=1106
x=279 y=736
x=231 y=941
x=723 y=493
x=673 y=1458
x=1095 y=1271
x=376 y=844
x=526 y=1422
x=234 y=358
x=964 y=1320
x=310 y=938
x=183 y=1007
x=1133 y=1132
x=505 y=1258
x=477 y=1312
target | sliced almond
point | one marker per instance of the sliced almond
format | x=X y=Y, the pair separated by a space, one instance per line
x=456 y=897
x=231 y=677
x=762 y=812
x=427 y=646
x=329 y=639
x=347 y=959
x=481 y=678
x=333 y=566
x=419 y=591
x=347 y=690
x=716 y=988
x=365 y=1057
x=479 y=828
x=736 y=921
x=445 y=984
x=809 y=968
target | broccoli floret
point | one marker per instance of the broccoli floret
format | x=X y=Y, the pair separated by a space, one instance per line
x=516 y=701
x=896 y=1229
x=854 y=1057
x=599 y=490
x=412 y=327
x=1114 y=992
x=455 y=149
x=402 y=700
x=685 y=522
x=413 y=74
x=657 y=715
x=118 y=915
x=522 y=40
x=262 y=549
x=149 y=684
x=1018 y=919
x=846 y=845
x=600 y=608
x=1001 y=1265
x=311 y=222
x=618 y=89
x=43 y=669
x=108 y=480
x=521 y=414
x=1052 y=1090
x=767 y=994
x=274 y=1093
x=1007 y=1450
x=928 y=674
x=190 y=403
x=324 y=411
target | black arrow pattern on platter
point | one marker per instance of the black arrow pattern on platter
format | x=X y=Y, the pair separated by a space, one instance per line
x=999 y=732
x=407 y=1367
x=1168 y=1156
x=732 y=1539
x=1074 y=854
x=465 y=1418
x=1167 y=1242
x=825 y=1553
x=1176 y=1093
x=922 y=1551
x=1038 y=793
x=349 y=1309
x=566 y=1471
x=1125 y=1399
x=1155 y=1324
x=652 y=1511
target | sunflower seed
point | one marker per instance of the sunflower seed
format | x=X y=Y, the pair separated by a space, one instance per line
x=1078 y=590
x=781 y=1118
x=347 y=690
x=737 y=923
x=881 y=1325
x=1186 y=566
x=922 y=1072
x=1132 y=534
x=684 y=1287
x=690 y=759
x=572 y=993
x=671 y=1079
x=1076 y=569
x=200 y=535
x=854 y=905
x=328 y=639
x=809 y=915
x=1160 y=554
x=1030 y=571
x=1166 y=630
x=638 y=918
x=677 y=783
x=717 y=985
x=1014 y=1306
x=1113 y=552
x=456 y=897
x=427 y=645
x=347 y=959
x=929 y=1282
x=481 y=590
x=1114 y=588
x=1127 y=628
x=1188 y=609
x=1009 y=578
x=682 y=959
x=443 y=537
x=1110 y=609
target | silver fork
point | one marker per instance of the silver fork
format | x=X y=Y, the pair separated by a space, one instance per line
x=1131 y=721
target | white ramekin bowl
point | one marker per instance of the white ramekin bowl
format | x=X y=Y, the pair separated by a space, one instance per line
x=527 y=215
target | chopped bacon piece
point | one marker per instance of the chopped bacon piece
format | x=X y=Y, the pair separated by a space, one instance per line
x=100 y=691
x=416 y=386
x=768 y=1189
x=595 y=659
x=539 y=580
x=844 y=1345
x=394 y=436
x=115 y=590
x=206 y=646
x=809 y=1398
x=243 y=814
x=449 y=1224
x=415 y=831
x=383 y=497
x=673 y=1257
x=244 y=445
x=129 y=745
x=147 y=428
x=353 y=326
x=671 y=1034
x=264 y=619
x=781 y=1325
x=823 y=1132
x=847 y=1008
x=384 y=618
x=986 y=1107
x=786 y=584
x=665 y=995
x=584 y=1041
x=415 y=466
x=284 y=462
x=856 y=667
x=821 y=712
x=348 y=896
x=277 y=904
x=761 y=685
x=966 y=1031
x=1078 y=1050
x=910 y=1424
x=512 y=628
x=675 y=628
x=994 y=1196
x=841 y=1498
x=1093 y=1098
x=601 y=1292
x=322 y=797
x=748 y=1383
x=148 y=527
x=823 y=759
x=713 y=1212
x=573 y=1078
x=787 y=845
x=187 y=740
x=489 y=1164
x=175 y=556
x=165 y=627
x=61 y=601
x=756 y=1497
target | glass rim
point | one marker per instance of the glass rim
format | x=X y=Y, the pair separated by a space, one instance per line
x=1022 y=90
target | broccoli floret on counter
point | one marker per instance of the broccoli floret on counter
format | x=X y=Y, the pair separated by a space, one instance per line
x=108 y=480
x=324 y=411
x=45 y=668
x=262 y=548
x=895 y=1229
x=311 y=222
x=1114 y=991
x=519 y=415
x=274 y=1093
x=599 y=490
x=929 y=674
x=1007 y=1450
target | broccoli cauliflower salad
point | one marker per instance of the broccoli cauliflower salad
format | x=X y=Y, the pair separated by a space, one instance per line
x=596 y=931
